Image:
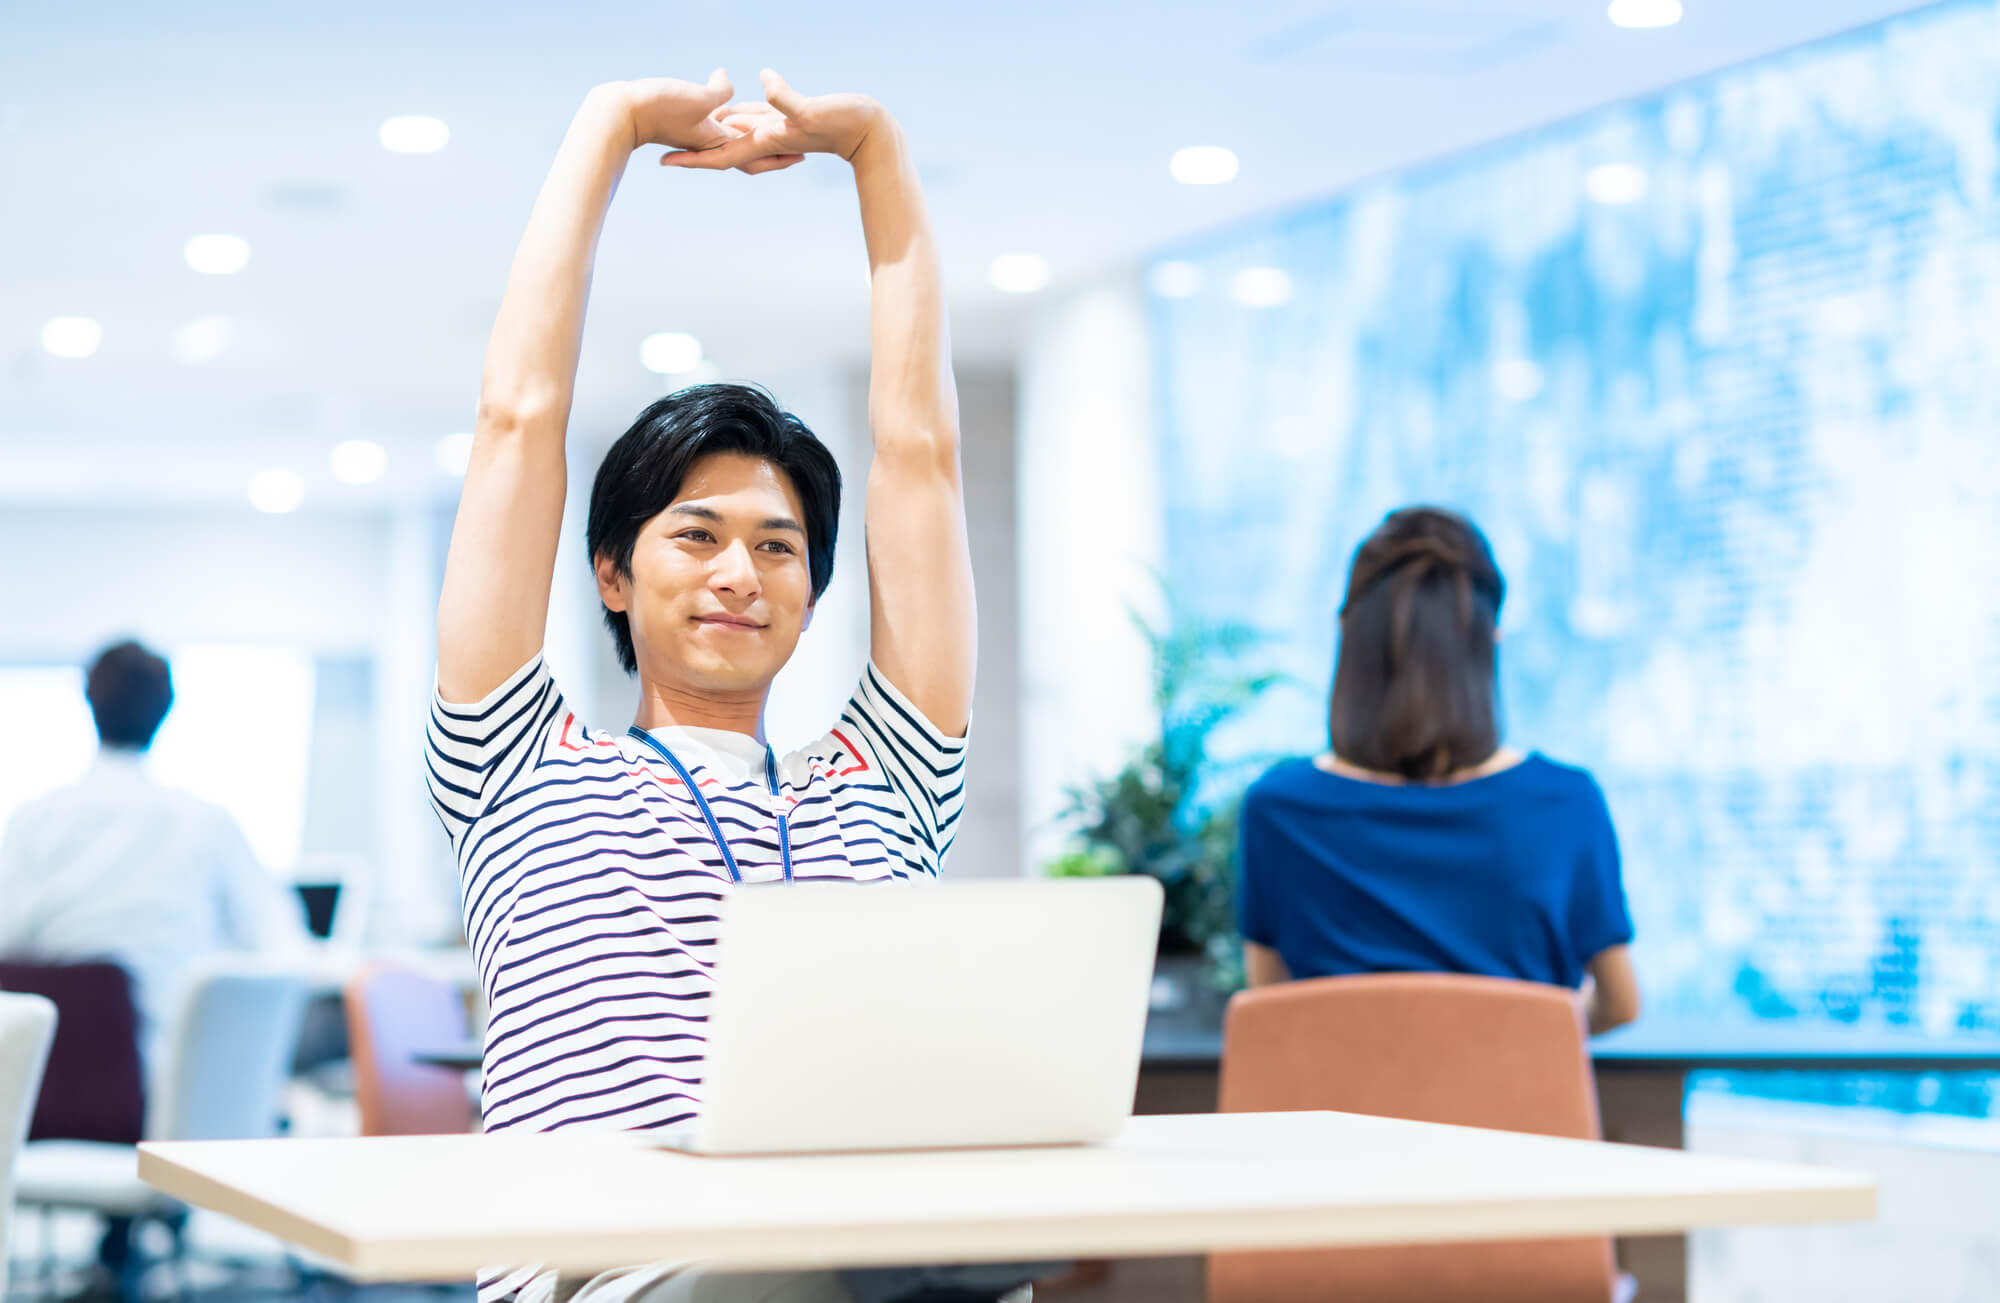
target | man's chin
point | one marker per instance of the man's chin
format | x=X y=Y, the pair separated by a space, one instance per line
x=710 y=672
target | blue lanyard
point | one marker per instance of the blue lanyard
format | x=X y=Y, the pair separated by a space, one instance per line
x=701 y=802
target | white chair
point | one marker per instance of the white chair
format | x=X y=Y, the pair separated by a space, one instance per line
x=27 y=1026
x=223 y=1078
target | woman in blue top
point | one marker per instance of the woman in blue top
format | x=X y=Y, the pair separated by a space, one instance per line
x=1419 y=843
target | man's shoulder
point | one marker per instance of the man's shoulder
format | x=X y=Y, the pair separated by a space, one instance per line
x=841 y=752
x=33 y=814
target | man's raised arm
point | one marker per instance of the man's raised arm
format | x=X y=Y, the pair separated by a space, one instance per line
x=924 y=629
x=494 y=609
x=924 y=623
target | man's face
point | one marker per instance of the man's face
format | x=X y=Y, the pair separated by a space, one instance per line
x=719 y=590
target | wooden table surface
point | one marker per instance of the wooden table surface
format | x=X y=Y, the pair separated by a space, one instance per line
x=424 y=1207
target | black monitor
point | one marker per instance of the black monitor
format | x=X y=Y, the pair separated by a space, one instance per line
x=320 y=899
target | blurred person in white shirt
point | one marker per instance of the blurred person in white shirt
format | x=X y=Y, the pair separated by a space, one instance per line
x=118 y=867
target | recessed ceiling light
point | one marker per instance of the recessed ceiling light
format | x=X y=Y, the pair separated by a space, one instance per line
x=1175 y=280
x=1018 y=273
x=1203 y=165
x=670 y=353
x=454 y=453
x=1644 y=13
x=1261 y=287
x=201 y=339
x=72 y=336
x=217 y=255
x=1615 y=183
x=414 y=135
x=277 y=492
x=359 y=461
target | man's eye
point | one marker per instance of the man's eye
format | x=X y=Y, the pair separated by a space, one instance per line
x=775 y=546
x=696 y=536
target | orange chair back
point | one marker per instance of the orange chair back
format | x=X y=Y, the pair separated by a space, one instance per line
x=1430 y=1047
x=391 y=1016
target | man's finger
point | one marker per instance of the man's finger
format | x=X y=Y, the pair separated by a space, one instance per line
x=772 y=163
x=729 y=153
x=781 y=96
x=711 y=134
x=702 y=158
x=719 y=87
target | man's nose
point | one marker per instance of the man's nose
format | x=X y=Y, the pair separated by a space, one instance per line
x=735 y=571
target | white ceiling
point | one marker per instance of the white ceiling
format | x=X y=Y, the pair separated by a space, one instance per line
x=1040 y=126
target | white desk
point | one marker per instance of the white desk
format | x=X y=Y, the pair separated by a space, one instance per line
x=425 y=1207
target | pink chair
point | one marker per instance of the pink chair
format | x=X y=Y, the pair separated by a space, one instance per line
x=391 y=1016
x=1430 y=1047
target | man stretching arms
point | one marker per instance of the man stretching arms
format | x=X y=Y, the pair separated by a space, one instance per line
x=592 y=862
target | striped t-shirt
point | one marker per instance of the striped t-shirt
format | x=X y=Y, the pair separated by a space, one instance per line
x=590 y=880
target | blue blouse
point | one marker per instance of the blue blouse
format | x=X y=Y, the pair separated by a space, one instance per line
x=1511 y=875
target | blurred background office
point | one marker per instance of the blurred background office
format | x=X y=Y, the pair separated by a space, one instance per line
x=1689 y=304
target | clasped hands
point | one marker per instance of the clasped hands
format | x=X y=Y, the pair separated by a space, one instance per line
x=702 y=128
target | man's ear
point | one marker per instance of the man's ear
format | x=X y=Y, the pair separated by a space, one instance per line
x=811 y=606
x=612 y=586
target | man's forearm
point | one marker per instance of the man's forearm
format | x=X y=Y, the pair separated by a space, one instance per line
x=531 y=358
x=911 y=400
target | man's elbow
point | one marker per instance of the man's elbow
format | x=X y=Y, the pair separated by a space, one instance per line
x=508 y=415
x=931 y=449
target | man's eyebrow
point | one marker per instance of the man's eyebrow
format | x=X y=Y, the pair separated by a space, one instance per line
x=711 y=514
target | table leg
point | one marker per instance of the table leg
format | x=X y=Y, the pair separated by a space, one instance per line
x=1188 y=1089
x=1647 y=1106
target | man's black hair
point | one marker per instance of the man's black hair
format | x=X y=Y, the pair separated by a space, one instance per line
x=130 y=691
x=642 y=474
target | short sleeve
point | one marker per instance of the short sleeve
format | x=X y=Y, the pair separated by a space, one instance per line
x=1253 y=918
x=474 y=752
x=923 y=766
x=1598 y=915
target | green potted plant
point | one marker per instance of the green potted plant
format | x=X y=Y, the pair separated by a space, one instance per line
x=1171 y=811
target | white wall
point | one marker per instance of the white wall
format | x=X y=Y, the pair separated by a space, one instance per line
x=72 y=578
x=354 y=587
x=1088 y=524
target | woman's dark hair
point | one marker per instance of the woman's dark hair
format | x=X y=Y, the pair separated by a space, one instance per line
x=642 y=474
x=130 y=691
x=1414 y=689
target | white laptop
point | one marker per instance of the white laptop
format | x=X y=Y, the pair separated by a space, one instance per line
x=926 y=1017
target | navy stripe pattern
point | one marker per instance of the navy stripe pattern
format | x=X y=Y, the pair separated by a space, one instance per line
x=590 y=886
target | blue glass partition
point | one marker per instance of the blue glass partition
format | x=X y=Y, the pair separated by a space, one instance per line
x=1719 y=372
